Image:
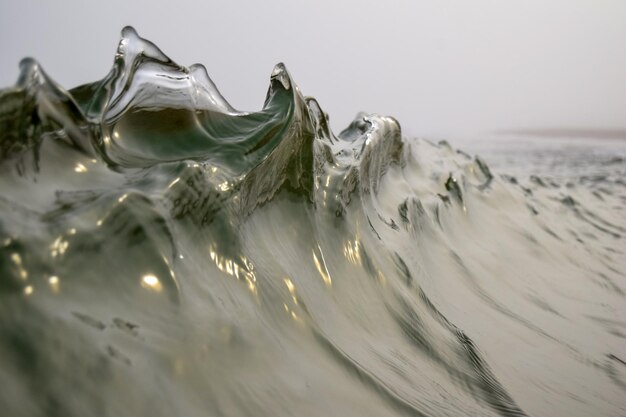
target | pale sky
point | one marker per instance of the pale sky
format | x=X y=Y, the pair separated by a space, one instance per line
x=444 y=69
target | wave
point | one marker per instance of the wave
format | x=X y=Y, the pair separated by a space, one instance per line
x=162 y=253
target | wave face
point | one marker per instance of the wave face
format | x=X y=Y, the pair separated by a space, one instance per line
x=162 y=253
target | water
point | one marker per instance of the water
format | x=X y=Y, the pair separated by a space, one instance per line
x=162 y=253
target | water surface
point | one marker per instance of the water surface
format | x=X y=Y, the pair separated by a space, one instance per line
x=162 y=253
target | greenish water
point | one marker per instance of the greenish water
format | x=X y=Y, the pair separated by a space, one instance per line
x=164 y=254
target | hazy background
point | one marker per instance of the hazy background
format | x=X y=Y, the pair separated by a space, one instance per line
x=453 y=69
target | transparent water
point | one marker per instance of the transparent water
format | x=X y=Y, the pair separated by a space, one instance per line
x=162 y=253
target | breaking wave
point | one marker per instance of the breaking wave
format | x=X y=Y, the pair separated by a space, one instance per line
x=162 y=253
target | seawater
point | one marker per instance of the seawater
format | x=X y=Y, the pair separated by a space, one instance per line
x=163 y=254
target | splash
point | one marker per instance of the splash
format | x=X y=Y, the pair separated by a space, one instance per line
x=162 y=253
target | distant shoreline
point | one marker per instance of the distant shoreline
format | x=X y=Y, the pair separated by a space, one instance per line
x=619 y=134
